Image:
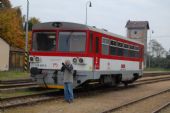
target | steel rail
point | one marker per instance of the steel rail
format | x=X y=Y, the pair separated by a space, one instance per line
x=161 y=108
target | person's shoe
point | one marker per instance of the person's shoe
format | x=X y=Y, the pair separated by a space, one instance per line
x=71 y=101
x=67 y=101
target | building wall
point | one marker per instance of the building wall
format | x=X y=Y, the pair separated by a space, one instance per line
x=16 y=60
x=4 y=55
x=139 y=35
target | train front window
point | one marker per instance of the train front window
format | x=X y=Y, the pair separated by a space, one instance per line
x=71 y=41
x=44 y=41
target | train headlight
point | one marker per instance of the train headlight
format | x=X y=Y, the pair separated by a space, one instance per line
x=74 y=60
x=81 y=60
x=31 y=59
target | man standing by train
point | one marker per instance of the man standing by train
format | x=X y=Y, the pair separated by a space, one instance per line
x=67 y=69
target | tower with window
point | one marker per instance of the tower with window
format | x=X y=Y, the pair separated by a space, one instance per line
x=137 y=30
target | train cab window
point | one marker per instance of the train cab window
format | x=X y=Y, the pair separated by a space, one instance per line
x=113 y=47
x=44 y=41
x=105 y=46
x=72 y=41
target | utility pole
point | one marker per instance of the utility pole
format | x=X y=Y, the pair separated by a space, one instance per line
x=26 y=39
x=90 y=5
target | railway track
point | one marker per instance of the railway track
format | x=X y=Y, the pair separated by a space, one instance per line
x=56 y=95
x=17 y=85
x=162 y=108
x=151 y=74
x=147 y=81
x=15 y=81
x=12 y=84
x=5 y=88
x=123 y=106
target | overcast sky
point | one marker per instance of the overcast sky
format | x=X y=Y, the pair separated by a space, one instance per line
x=108 y=14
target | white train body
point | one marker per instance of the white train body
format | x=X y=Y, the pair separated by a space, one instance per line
x=95 y=55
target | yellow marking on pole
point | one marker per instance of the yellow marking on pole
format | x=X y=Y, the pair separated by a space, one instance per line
x=26 y=62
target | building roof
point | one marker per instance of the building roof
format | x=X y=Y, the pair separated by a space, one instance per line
x=137 y=24
x=16 y=49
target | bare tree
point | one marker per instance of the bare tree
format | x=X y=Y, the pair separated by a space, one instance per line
x=156 y=49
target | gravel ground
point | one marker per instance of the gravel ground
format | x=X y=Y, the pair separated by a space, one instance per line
x=94 y=103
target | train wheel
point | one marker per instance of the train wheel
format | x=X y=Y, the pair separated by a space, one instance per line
x=113 y=81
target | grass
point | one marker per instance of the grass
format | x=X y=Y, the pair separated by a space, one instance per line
x=25 y=92
x=14 y=94
x=12 y=75
x=156 y=69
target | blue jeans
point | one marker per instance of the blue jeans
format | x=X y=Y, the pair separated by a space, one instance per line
x=68 y=91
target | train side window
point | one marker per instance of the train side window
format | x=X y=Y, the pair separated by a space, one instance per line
x=113 y=47
x=120 y=49
x=126 y=46
x=131 y=53
x=91 y=42
x=97 y=45
x=136 y=49
x=126 y=50
x=136 y=54
x=132 y=47
x=105 y=46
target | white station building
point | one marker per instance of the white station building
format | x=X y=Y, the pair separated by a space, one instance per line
x=4 y=55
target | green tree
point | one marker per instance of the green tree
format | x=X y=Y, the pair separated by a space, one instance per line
x=5 y=4
x=32 y=21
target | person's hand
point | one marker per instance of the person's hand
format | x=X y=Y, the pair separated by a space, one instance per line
x=63 y=63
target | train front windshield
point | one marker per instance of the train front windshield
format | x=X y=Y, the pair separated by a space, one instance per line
x=71 y=41
x=67 y=41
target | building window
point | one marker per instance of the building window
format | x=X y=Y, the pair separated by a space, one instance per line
x=135 y=32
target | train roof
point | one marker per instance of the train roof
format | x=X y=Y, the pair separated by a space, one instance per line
x=76 y=26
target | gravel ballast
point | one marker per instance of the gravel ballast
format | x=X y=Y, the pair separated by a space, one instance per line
x=95 y=103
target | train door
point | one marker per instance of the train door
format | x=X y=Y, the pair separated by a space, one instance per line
x=96 y=47
x=141 y=58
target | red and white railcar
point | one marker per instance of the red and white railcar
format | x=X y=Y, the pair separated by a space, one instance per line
x=96 y=54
